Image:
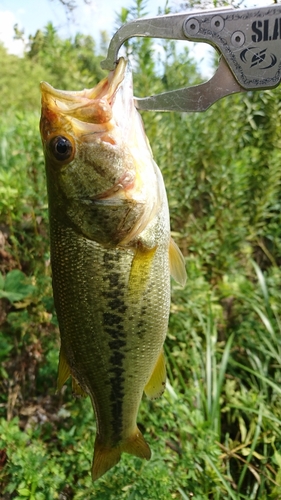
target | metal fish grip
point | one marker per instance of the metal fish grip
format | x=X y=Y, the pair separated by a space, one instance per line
x=249 y=41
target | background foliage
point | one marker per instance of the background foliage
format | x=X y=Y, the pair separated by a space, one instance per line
x=216 y=432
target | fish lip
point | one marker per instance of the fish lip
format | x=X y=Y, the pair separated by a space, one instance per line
x=70 y=102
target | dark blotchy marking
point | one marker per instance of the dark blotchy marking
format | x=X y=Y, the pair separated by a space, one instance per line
x=143 y=310
x=141 y=329
x=117 y=394
x=118 y=305
x=111 y=319
x=111 y=294
x=109 y=260
x=110 y=265
x=117 y=344
x=116 y=411
x=114 y=327
x=122 y=309
x=114 y=279
x=109 y=257
x=118 y=374
x=115 y=332
x=115 y=299
x=116 y=358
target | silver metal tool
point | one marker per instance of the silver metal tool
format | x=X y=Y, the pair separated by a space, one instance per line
x=249 y=41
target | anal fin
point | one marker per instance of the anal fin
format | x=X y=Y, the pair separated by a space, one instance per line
x=156 y=384
x=63 y=375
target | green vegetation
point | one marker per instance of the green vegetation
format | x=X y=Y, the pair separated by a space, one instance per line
x=215 y=434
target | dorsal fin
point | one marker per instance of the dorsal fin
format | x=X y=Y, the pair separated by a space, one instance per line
x=177 y=263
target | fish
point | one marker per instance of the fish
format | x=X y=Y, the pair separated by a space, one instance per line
x=111 y=256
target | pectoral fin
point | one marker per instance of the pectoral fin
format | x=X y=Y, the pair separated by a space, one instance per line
x=177 y=264
x=156 y=384
x=140 y=270
x=63 y=371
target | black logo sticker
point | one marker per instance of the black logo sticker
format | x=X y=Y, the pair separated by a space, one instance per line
x=257 y=56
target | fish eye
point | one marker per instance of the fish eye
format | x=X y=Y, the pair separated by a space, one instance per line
x=62 y=148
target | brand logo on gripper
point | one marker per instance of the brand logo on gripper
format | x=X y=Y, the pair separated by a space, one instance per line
x=256 y=56
x=265 y=31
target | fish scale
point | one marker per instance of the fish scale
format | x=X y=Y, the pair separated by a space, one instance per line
x=126 y=345
x=111 y=256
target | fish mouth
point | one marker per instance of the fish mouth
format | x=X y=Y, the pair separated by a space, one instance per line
x=86 y=111
x=98 y=115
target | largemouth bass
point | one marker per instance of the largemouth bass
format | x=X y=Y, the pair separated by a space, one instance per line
x=111 y=256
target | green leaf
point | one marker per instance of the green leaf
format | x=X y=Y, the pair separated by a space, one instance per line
x=277 y=457
x=24 y=492
x=16 y=286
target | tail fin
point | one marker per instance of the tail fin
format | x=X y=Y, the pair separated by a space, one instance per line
x=105 y=457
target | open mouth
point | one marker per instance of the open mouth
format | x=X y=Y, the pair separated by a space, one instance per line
x=88 y=106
